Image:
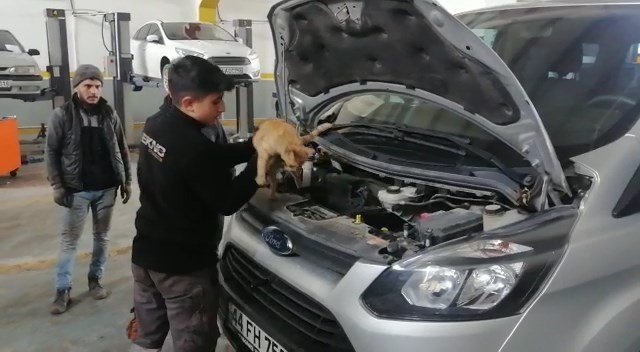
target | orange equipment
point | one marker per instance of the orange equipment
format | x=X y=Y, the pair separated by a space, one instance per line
x=9 y=147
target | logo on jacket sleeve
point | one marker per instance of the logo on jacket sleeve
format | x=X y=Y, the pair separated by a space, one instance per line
x=277 y=240
x=155 y=149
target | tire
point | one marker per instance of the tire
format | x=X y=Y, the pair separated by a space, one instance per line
x=164 y=70
x=14 y=173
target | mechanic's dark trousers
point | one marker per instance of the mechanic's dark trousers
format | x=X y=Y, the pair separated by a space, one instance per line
x=185 y=304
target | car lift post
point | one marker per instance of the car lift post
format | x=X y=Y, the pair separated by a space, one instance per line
x=120 y=55
x=244 y=89
x=58 y=69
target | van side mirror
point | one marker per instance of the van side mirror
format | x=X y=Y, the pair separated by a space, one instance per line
x=33 y=52
x=240 y=40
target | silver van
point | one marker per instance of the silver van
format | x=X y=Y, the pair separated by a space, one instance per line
x=479 y=189
x=19 y=72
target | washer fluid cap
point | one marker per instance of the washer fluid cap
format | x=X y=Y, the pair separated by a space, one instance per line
x=492 y=209
x=393 y=189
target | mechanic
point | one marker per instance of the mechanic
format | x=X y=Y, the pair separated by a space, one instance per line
x=186 y=186
x=87 y=160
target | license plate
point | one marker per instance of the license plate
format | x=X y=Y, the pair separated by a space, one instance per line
x=232 y=70
x=251 y=334
x=5 y=84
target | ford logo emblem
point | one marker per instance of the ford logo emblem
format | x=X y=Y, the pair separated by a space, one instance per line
x=277 y=240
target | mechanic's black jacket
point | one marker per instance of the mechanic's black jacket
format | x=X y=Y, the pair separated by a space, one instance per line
x=64 y=145
x=186 y=182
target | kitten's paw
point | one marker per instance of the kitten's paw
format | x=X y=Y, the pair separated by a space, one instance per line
x=261 y=181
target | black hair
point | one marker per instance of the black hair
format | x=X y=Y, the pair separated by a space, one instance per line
x=196 y=77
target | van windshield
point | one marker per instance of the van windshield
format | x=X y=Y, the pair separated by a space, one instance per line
x=580 y=65
x=9 y=43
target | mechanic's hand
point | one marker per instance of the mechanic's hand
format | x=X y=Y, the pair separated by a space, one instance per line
x=62 y=197
x=125 y=193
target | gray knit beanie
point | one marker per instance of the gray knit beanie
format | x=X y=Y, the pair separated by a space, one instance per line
x=85 y=72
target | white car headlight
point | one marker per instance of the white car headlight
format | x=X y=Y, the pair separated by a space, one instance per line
x=187 y=52
x=252 y=55
x=25 y=70
x=486 y=276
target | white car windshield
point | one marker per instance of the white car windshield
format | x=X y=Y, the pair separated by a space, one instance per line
x=9 y=43
x=195 y=31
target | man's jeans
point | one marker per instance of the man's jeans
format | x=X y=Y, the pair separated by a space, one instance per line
x=101 y=204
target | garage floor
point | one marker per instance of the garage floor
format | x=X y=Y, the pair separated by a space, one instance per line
x=29 y=222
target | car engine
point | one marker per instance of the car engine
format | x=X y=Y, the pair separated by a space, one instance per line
x=405 y=217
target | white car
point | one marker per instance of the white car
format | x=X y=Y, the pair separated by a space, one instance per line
x=19 y=72
x=158 y=43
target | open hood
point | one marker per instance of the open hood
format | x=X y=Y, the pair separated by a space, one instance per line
x=326 y=49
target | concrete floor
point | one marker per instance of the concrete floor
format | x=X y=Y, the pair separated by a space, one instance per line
x=29 y=222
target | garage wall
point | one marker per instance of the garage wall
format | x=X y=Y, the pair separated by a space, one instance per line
x=27 y=23
x=255 y=10
x=456 y=6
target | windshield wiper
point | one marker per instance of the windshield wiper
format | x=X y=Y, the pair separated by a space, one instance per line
x=403 y=128
x=399 y=135
x=400 y=132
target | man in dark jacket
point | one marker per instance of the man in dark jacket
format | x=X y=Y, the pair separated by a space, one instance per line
x=186 y=185
x=87 y=160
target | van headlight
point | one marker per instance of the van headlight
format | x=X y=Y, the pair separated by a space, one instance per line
x=253 y=55
x=476 y=287
x=24 y=70
x=491 y=276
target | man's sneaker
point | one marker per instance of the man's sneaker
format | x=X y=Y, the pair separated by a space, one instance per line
x=61 y=302
x=96 y=290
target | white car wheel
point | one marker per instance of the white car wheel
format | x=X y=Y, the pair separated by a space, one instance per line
x=165 y=77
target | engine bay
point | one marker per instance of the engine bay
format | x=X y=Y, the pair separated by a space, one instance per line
x=400 y=218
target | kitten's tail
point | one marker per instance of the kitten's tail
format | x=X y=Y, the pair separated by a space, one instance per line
x=316 y=132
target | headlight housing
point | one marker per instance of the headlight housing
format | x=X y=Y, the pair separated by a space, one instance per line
x=253 y=55
x=187 y=52
x=24 y=70
x=489 y=276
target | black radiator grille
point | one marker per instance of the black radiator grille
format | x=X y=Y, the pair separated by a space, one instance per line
x=280 y=301
x=230 y=60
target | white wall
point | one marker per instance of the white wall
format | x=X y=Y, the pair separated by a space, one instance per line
x=255 y=10
x=456 y=6
x=27 y=22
